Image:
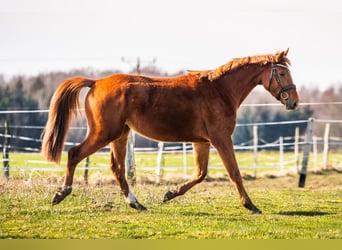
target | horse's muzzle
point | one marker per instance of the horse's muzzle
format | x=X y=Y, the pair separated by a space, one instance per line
x=291 y=104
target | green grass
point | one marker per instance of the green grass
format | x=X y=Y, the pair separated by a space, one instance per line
x=209 y=211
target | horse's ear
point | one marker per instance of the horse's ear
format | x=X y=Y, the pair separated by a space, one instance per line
x=280 y=55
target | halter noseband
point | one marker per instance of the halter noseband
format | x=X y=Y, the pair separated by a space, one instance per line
x=281 y=94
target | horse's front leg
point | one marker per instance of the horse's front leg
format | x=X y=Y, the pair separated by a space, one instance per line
x=225 y=149
x=201 y=156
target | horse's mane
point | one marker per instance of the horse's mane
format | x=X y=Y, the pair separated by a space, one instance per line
x=238 y=63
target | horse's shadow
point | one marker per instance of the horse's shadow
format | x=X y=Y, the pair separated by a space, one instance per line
x=304 y=213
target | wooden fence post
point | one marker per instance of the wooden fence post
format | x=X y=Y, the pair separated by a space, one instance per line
x=314 y=151
x=6 y=151
x=160 y=162
x=326 y=146
x=86 y=170
x=307 y=148
x=184 y=161
x=281 y=155
x=296 y=148
x=255 y=149
x=130 y=161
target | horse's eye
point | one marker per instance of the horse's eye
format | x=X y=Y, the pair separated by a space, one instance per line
x=282 y=73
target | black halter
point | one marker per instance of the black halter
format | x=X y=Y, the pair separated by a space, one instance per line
x=282 y=94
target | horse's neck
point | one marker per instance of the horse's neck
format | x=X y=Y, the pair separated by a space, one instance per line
x=237 y=86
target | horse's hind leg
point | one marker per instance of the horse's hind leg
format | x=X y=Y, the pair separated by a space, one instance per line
x=117 y=166
x=76 y=154
x=201 y=156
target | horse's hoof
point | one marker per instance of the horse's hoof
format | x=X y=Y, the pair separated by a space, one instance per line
x=169 y=196
x=138 y=206
x=253 y=209
x=257 y=211
x=60 y=195
x=57 y=199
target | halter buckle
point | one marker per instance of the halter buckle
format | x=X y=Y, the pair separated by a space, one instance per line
x=284 y=96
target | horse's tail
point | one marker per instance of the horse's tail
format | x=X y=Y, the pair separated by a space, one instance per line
x=64 y=104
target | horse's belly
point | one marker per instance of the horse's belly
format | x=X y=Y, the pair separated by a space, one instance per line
x=174 y=131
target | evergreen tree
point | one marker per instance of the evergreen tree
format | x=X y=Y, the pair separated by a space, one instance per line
x=16 y=99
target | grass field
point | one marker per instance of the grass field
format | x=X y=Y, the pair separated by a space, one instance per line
x=209 y=211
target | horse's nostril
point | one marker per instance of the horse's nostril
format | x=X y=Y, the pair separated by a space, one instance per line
x=291 y=105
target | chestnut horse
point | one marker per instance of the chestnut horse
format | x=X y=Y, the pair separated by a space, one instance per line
x=199 y=107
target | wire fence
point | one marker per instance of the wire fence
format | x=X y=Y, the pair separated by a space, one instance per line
x=254 y=156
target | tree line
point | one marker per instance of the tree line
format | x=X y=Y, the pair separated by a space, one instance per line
x=34 y=92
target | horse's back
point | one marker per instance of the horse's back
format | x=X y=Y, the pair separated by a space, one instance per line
x=167 y=109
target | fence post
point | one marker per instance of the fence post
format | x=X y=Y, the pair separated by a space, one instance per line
x=6 y=151
x=314 y=151
x=130 y=161
x=281 y=154
x=184 y=161
x=326 y=146
x=255 y=149
x=296 y=148
x=307 y=147
x=86 y=170
x=160 y=162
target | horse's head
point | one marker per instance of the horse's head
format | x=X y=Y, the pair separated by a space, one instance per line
x=279 y=82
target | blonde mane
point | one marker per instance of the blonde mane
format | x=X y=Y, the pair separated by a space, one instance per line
x=237 y=63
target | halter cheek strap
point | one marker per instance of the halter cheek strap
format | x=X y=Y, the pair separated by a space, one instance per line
x=282 y=94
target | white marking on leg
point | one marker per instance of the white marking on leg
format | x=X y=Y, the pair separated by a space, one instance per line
x=133 y=203
x=130 y=199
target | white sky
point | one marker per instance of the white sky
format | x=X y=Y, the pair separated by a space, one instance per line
x=47 y=35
